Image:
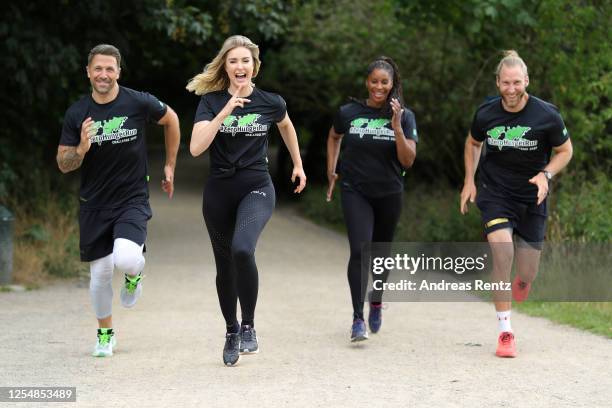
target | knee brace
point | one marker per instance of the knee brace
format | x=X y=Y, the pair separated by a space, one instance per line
x=127 y=256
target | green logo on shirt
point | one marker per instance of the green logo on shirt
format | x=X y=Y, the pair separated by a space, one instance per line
x=244 y=124
x=374 y=127
x=502 y=136
x=370 y=123
x=112 y=129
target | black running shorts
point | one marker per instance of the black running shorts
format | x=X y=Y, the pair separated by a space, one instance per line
x=100 y=228
x=499 y=211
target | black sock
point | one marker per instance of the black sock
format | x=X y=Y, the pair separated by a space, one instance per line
x=250 y=323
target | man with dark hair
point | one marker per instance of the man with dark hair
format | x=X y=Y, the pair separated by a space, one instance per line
x=521 y=132
x=104 y=134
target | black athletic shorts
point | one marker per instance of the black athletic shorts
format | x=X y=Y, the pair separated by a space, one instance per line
x=498 y=211
x=100 y=228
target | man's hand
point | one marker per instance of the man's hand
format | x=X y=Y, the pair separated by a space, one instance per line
x=167 y=183
x=468 y=193
x=541 y=181
x=87 y=132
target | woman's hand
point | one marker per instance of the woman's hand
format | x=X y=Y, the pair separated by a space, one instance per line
x=396 y=120
x=235 y=101
x=331 y=183
x=298 y=172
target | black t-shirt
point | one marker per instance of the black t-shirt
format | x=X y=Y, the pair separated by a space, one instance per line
x=518 y=144
x=369 y=160
x=242 y=139
x=114 y=170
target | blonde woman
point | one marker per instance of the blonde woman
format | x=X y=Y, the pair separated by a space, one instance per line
x=232 y=121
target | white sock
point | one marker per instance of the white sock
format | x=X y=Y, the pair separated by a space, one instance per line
x=503 y=320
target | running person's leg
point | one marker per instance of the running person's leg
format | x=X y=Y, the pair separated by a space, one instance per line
x=101 y=291
x=96 y=247
x=129 y=236
x=387 y=211
x=254 y=211
x=219 y=210
x=528 y=238
x=499 y=216
x=359 y=220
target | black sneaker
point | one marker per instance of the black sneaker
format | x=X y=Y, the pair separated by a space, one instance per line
x=248 y=340
x=231 y=350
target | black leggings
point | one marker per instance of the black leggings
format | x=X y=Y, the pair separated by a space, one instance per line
x=367 y=220
x=236 y=209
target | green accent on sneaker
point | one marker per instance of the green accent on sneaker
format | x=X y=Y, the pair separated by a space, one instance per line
x=105 y=336
x=131 y=283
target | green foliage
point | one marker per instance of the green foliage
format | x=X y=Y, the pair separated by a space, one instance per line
x=447 y=52
x=326 y=51
x=45 y=51
x=582 y=210
x=315 y=53
x=262 y=21
x=573 y=67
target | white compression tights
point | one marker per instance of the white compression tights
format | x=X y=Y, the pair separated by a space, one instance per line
x=126 y=258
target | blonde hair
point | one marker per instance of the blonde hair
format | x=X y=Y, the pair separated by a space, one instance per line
x=214 y=77
x=511 y=59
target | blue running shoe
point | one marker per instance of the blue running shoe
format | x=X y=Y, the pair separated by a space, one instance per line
x=375 y=317
x=358 y=330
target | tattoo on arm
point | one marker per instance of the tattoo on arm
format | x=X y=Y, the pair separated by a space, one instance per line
x=68 y=159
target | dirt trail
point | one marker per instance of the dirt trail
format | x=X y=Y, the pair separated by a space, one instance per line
x=169 y=345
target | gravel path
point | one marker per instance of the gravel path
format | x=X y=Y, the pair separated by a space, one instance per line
x=169 y=345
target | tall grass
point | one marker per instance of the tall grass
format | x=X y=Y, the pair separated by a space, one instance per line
x=45 y=238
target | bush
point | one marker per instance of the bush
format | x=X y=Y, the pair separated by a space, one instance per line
x=581 y=210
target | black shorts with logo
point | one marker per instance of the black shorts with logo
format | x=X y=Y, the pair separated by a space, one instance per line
x=499 y=211
x=100 y=228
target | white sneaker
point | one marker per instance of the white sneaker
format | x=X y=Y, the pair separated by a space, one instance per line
x=105 y=343
x=131 y=290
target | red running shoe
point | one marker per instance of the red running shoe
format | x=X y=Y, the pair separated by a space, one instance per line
x=506 y=347
x=520 y=289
